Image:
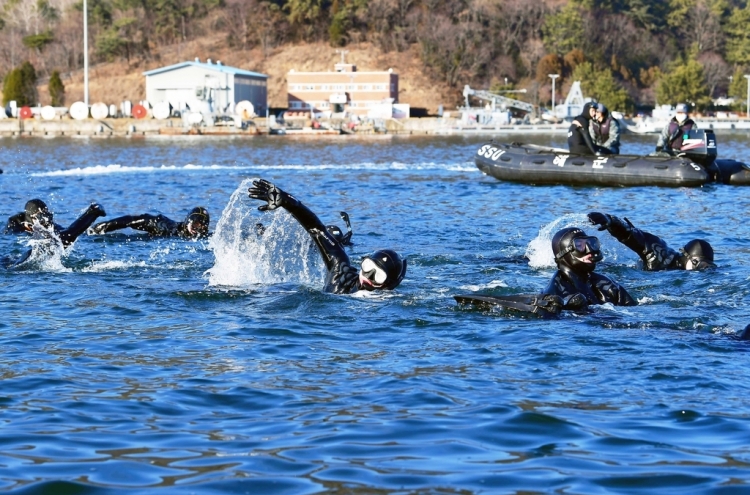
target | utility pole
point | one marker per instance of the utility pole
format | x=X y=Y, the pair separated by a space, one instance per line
x=553 y=76
x=747 y=116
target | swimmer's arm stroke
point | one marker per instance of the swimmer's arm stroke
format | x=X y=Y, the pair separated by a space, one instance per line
x=329 y=248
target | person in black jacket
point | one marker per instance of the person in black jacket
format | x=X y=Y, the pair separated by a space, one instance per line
x=195 y=225
x=36 y=212
x=579 y=137
x=575 y=281
x=382 y=270
x=653 y=251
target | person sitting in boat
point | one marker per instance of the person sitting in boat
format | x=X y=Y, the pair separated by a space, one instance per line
x=195 y=225
x=579 y=137
x=653 y=251
x=383 y=269
x=670 y=139
x=605 y=130
x=575 y=281
x=36 y=212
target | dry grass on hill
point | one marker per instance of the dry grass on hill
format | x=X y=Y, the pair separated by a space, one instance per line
x=118 y=81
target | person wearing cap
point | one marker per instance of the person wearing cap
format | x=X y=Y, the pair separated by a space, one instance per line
x=670 y=139
x=383 y=269
x=195 y=225
x=653 y=251
x=37 y=213
x=605 y=130
x=576 y=256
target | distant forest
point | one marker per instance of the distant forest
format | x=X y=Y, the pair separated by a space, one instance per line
x=629 y=54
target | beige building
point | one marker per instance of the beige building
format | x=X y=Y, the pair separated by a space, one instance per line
x=345 y=89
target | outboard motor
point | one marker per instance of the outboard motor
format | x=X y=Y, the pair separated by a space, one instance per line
x=699 y=146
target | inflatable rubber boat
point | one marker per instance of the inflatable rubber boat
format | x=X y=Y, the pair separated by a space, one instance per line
x=695 y=166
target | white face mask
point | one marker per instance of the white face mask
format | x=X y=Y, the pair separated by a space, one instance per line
x=681 y=117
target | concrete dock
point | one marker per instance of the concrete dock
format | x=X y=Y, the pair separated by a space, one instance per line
x=128 y=127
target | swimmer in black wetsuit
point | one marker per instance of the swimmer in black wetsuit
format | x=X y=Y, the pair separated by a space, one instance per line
x=338 y=234
x=36 y=212
x=383 y=269
x=195 y=225
x=653 y=251
x=576 y=256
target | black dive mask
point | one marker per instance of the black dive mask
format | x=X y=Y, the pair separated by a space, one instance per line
x=581 y=254
x=697 y=255
x=583 y=246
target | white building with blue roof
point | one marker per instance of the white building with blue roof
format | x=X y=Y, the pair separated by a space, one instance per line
x=206 y=86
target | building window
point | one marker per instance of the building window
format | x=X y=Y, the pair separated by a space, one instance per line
x=326 y=87
x=350 y=87
x=379 y=87
x=367 y=87
x=309 y=87
x=338 y=87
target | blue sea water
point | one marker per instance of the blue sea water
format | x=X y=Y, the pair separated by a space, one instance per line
x=139 y=366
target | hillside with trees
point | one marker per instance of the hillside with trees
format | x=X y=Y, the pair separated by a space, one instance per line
x=630 y=54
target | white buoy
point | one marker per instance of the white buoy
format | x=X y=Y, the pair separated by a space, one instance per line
x=48 y=113
x=195 y=118
x=99 y=110
x=245 y=109
x=79 y=110
x=162 y=110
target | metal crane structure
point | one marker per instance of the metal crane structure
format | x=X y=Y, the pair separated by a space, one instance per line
x=498 y=101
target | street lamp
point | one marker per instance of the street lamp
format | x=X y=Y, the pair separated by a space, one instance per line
x=748 y=96
x=555 y=76
x=85 y=54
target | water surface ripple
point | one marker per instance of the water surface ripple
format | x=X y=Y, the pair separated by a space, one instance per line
x=144 y=366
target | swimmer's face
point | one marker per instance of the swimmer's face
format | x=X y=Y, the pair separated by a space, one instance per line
x=197 y=227
x=371 y=276
x=42 y=217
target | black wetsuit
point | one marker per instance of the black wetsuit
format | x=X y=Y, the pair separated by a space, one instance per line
x=594 y=287
x=579 y=139
x=156 y=225
x=342 y=277
x=653 y=251
x=17 y=224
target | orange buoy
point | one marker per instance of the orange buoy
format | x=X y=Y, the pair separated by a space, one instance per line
x=139 y=111
x=25 y=113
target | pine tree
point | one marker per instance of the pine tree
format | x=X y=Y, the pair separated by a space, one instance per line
x=13 y=87
x=56 y=90
x=28 y=81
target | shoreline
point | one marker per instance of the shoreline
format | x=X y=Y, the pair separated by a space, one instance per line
x=135 y=128
x=425 y=126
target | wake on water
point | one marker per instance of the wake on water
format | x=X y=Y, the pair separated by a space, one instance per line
x=282 y=253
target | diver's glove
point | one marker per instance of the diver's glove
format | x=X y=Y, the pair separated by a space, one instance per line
x=602 y=220
x=97 y=209
x=265 y=191
x=612 y=224
x=576 y=302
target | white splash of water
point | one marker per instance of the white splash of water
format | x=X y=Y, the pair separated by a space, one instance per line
x=539 y=250
x=47 y=252
x=283 y=253
x=105 y=266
